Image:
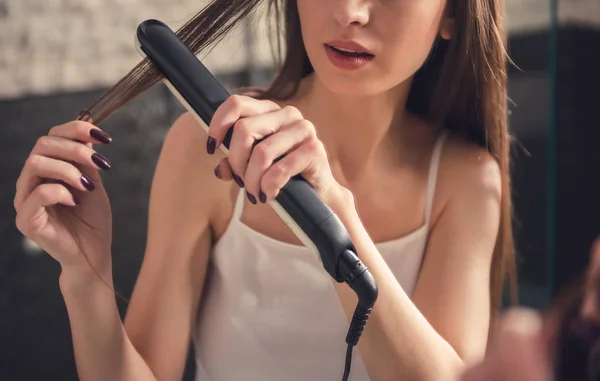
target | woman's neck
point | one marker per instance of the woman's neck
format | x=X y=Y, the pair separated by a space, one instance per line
x=360 y=133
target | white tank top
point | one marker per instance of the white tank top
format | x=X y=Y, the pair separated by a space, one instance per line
x=270 y=312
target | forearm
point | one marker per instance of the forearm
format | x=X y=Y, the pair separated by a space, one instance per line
x=102 y=349
x=398 y=343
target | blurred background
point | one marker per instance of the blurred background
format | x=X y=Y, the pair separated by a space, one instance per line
x=57 y=57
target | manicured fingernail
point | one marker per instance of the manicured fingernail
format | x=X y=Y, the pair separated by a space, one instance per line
x=211 y=145
x=251 y=198
x=87 y=183
x=262 y=197
x=218 y=172
x=238 y=181
x=101 y=161
x=100 y=135
x=76 y=200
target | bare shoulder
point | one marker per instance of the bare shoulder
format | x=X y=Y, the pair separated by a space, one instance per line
x=184 y=150
x=184 y=176
x=473 y=164
x=186 y=131
x=467 y=171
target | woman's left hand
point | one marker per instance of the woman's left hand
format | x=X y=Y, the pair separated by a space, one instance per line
x=269 y=145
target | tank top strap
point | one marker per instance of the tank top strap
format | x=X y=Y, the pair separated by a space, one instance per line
x=238 y=208
x=433 y=174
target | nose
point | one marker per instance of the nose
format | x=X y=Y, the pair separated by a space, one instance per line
x=351 y=12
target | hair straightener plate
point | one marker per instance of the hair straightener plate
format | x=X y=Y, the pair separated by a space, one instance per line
x=313 y=222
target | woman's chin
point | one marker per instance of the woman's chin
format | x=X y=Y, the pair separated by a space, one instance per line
x=351 y=87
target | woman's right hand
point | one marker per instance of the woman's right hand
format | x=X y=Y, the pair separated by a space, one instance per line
x=60 y=200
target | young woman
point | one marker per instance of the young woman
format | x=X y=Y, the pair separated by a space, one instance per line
x=395 y=112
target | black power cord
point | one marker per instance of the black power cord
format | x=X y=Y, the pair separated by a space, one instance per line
x=359 y=321
x=356 y=275
x=348 y=363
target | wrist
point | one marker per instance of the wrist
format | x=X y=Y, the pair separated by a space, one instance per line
x=84 y=277
x=342 y=202
x=344 y=206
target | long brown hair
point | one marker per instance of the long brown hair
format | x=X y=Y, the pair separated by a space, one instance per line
x=462 y=86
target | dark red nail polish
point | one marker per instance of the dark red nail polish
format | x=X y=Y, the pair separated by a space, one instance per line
x=101 y=161
x=218 y=172
x=238 y=181
x=251 y=198
x=262 y=197
x=76 y=200
x=211 y=144
x=87 y=183
x=100 y=135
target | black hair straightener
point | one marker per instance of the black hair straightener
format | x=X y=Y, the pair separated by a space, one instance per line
x=297 y=204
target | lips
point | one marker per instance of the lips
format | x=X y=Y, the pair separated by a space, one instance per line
x=350 y=53
x=349 y=48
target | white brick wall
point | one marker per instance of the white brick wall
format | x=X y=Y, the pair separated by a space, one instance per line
x=67 y=45
x=527 y=15
x=581 y=12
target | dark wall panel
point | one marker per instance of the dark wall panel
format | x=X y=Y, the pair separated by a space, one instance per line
x=578 y=134
x=529 y=118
